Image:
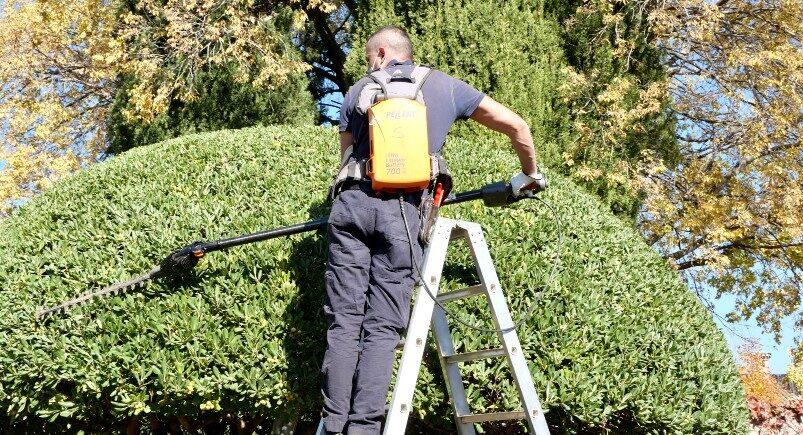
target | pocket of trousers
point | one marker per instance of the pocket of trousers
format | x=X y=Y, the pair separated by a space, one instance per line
x=339 y=298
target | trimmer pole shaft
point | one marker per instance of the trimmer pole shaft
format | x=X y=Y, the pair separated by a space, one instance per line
x=470 y=195
x=494 y=194
x=183 y=260
x=219 y=245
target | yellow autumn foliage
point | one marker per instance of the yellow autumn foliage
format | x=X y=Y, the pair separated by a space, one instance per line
x=759 y=383
x=62 y=63
x=55 y=70
x=731 y=213
x=728 y=209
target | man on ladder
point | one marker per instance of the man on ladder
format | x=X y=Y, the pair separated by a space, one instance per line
x=370 y=274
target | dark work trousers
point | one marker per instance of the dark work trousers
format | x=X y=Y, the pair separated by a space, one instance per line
x=369 y=283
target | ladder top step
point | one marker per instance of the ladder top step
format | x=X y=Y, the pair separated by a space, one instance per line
x=473 y=356
x=493 y=416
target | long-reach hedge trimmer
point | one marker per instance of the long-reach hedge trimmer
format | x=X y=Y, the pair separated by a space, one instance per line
x=182 y=261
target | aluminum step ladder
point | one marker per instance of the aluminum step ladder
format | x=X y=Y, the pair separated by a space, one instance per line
x=426 y=312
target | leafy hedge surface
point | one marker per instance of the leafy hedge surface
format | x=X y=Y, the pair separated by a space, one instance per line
x=618 y=343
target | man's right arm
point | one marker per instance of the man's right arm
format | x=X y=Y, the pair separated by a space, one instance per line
x=497 y=117
x=346 y=109
x=346 y=140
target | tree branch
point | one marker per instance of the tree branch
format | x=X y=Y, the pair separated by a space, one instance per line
x=330 y=46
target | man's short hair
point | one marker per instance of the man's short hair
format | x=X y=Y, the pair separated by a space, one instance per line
x=393 y=37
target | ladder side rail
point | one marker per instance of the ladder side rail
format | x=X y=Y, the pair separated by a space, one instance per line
x=451 y=372
x=507 y=333
x=418 y=329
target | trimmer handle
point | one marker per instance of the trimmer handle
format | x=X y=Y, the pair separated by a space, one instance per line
x=540 y=185
x=501 y=193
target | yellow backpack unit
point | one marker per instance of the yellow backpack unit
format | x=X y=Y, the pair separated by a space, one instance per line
x=397 y=127
x=399 y=158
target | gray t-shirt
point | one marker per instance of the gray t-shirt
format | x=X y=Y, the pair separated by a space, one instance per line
x=447 y=98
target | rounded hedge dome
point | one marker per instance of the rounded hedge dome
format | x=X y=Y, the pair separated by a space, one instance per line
x=616 y=343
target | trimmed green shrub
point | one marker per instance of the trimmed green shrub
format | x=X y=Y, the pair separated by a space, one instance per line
x=617 y=343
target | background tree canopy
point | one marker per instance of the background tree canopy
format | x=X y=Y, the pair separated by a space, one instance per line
x=617 y=343
x=222 y=102
x=142 y=71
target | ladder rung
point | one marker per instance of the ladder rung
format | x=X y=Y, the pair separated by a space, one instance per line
x=473 y=356
x=493 y=416
x=462 y=293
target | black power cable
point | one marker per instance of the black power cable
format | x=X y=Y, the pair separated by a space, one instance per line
x=530 y=309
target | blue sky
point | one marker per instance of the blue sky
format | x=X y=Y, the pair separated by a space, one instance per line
x=736 y=333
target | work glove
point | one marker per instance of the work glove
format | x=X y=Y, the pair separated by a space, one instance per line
x=522 y=182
